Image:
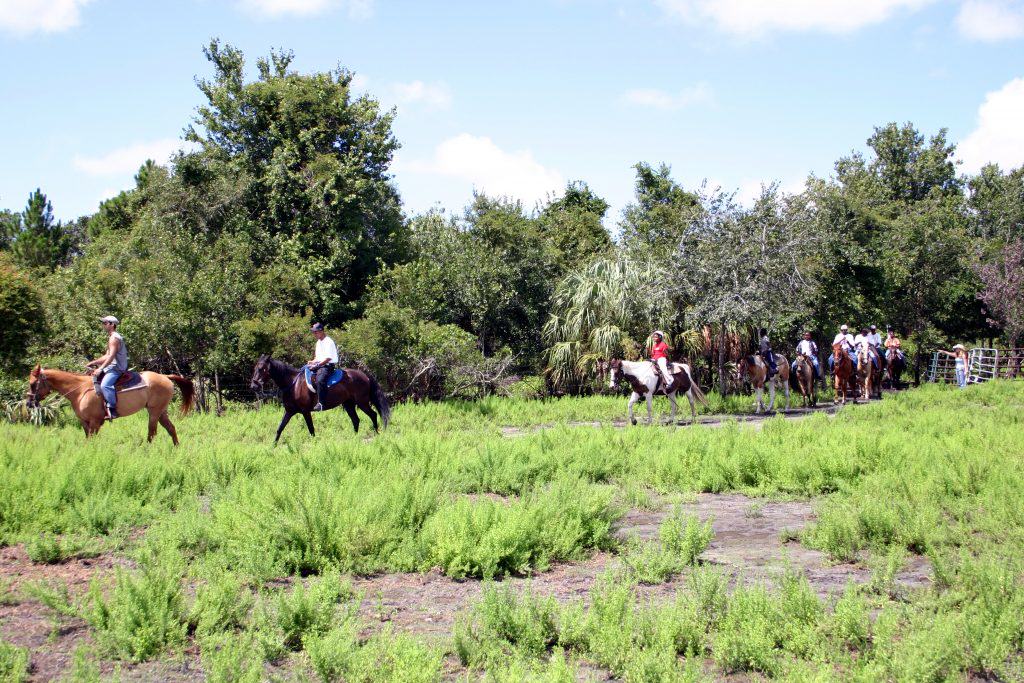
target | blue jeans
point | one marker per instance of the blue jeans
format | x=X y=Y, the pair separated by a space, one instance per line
x=814 y=362
x=110 y=377
x=961 y=378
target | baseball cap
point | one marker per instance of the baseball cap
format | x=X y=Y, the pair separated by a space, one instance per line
x=317 y=327
x=110 y=319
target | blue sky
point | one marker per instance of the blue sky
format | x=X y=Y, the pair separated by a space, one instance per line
x=518 y=98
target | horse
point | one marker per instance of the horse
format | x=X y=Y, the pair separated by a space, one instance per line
x=895 y=364
x=868 y=375
x=842 y=371
x=805 y=380
x=645 y=380
x=78 y=389
x=755 y=369
x=357 y=388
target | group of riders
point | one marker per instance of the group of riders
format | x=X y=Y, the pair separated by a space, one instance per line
x=869 y=341
x=109 y=367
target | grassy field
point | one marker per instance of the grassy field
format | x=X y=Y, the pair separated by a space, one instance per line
x=248 y=552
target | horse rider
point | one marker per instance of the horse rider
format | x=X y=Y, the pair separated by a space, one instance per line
x=845 y=340
x=876 y=342
x=764 y=349
x=863 y=342
x=325 y=358
x=892 y=344
x=808 y=348
x=659 y=356
x=110 y=366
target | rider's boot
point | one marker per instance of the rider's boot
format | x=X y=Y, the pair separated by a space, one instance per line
x=111 y=412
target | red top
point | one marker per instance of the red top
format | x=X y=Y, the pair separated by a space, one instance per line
x=660 y=350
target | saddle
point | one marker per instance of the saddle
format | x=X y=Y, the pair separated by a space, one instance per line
x=310 y=378
x=674 y=369
x=130 y=381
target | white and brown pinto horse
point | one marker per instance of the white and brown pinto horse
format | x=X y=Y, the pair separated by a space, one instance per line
x=78 y=388
x=755 y=369
x=645 y=381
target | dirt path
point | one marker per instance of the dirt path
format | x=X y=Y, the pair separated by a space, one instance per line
x=756 y=421
x=748 y=545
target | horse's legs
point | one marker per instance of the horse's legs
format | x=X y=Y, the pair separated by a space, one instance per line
x=154 y=418
x=284 y=423
x=368 y=409
x=165 y=420
x=633 y=398
x=672 y=400
x=758 y=403
x=650 y=406
x=771 y=395
x=785 y=387
x=309 y=423
x=693 y=408
x=350 y=408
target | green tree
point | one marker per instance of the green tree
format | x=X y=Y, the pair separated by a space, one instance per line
x=660 y=214
x=571 y=224
x=996 y=204
x=314 y=161
x=40 y=241
x=21 y=315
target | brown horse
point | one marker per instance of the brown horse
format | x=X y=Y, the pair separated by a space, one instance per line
x=755 y=369
x=842 y=371
x=805 y=380
x=357 y=388
x=894 y=366
x=868 y=375
x=78 y=388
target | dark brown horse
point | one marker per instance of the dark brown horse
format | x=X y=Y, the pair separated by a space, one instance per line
x=895 y=364
x=356 y=389
x=842 y=371
x=805 y=380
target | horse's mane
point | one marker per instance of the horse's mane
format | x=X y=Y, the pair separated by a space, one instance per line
x=66 y=372
x=280 y=364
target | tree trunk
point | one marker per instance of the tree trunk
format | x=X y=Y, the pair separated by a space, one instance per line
x=220 y=398
x=721 y=361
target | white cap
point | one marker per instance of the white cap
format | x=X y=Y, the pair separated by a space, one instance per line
x=959 y=346
x=110 y=319
x=659 y=332
x=844 y=327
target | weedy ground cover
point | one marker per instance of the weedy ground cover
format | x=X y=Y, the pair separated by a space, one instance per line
x=214 y=527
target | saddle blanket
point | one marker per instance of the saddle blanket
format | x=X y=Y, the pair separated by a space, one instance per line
x=130 y=381
x=335 y=377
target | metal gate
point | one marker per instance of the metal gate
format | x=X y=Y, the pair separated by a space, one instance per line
x=984 y=364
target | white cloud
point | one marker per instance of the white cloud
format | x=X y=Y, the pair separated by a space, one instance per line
x=488 y=168
x=46 y=16
x=360 y=82
x=756 y=17
x=661 y=99
x=128 y=159
x=273 y=9
x=999 y=137
x=435 y=95
x=991 y=20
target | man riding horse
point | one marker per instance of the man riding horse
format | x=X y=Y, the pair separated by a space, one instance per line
x=765 y=351
x=845 y=341
x=808 y=349
x=863 y=343
x=659 y=356
x=110 y=366
x=325 y=358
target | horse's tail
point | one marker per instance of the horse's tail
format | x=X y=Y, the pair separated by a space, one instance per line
x=188 y=391
x=695 y=389
x=379 y=400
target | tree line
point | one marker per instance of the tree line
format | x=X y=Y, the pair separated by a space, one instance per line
x=282 y=210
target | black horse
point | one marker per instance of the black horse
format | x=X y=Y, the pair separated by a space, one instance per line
x=895 y=364
x=357 y=388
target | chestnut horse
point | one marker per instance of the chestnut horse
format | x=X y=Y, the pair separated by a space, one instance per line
x=77 y=387
x=842 y=371
x=357 y=388
x=805 y=380
x=868 y=375
x=755 y=369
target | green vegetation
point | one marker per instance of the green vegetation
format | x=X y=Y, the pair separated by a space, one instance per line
x=243 y=548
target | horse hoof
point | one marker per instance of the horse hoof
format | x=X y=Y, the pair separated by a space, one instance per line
x=634 y=423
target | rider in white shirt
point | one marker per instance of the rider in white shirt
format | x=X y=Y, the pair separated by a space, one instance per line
x=863 y=342
x=876 y=343
x=324 y=359
x=846 y=339
x=807 y=347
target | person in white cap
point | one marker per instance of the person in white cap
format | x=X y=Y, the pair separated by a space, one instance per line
x=659 y=356
x=846 y=340
x=962 y=360
x=111 y=365
x=325 y=358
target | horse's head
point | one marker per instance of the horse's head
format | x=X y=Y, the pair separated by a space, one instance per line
x=38 y=387
x=742 y=368
x=260 y=373
x=614 y=369
x=837 y=351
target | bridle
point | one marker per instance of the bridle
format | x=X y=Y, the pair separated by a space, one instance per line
x=32 y=395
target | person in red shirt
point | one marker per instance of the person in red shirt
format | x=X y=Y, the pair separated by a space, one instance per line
x=659 y=356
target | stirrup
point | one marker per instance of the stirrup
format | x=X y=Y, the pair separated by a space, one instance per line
x=318 y=407
x=111 y=414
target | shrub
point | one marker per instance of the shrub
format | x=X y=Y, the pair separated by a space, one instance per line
x=13 y=663
x=289 y=618
x=684 y=536
x=384 y=657
x=231 y=658
x=503 y=622
x=144 y=614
